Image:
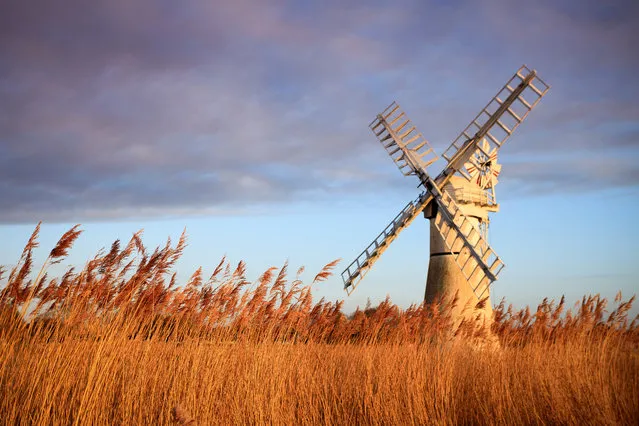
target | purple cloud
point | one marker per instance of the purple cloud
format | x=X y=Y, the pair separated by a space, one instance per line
x=120 y=108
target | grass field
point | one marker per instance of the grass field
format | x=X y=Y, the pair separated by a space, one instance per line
x=119 y=343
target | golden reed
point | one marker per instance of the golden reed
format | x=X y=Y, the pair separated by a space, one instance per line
x=119 y=342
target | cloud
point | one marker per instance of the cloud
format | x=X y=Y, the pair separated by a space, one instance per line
x=569 y=174
x=124 y=108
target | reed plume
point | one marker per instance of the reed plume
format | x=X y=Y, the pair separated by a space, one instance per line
x=61 y=249
x=326 y=271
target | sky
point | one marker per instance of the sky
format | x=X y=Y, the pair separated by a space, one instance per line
x=246 y=123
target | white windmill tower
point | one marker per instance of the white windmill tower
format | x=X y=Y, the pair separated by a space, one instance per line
x=458 y=200
x=475 y=197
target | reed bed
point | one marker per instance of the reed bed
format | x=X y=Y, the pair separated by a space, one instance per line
x=119 y=342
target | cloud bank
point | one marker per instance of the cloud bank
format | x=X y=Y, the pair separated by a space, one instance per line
x=116 y=109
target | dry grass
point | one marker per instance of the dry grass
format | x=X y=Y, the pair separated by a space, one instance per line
x=120 y=343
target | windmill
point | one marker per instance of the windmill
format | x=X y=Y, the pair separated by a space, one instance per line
x=458 y=200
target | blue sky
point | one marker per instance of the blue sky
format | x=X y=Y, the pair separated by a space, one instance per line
x=246 y=123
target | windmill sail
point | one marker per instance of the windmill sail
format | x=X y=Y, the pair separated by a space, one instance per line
x=498 y=120
x=412 y=154
x=406 y=146
x=360 y=266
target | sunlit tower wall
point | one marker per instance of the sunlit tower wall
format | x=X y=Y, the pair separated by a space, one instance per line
x=445 y=278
